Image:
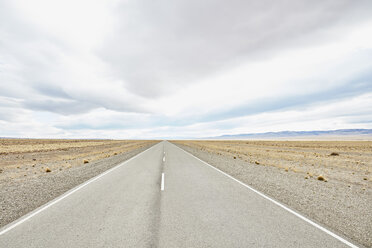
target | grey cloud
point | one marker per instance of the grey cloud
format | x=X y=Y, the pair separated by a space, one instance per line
x=10 y=114
x=51 y=90
x=32 y=69
x=357 y=87
x=56 y=100
x=162 y=45
x=58 y=106
x=9 y=109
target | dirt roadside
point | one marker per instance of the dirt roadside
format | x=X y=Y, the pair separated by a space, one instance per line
x=289 y=171
x=25 y=182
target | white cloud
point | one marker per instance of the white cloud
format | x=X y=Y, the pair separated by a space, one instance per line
x=295 y=73
x=142 y=69
x=346 y=113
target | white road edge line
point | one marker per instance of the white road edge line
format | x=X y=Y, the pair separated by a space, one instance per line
x=164 y=159
x=278 y=203
x=162 y=182
x=68 y=193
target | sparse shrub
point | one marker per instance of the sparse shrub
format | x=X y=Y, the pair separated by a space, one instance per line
x=234 y=157
x=307 y=177
x=321 y=178
x=47 y=169
x=286 y=169
x=334 y=154
x=115 y=153
x=365 y=178
x=86 y=161
x=256 y=162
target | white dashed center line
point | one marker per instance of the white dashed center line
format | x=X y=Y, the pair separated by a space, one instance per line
x=162 y=182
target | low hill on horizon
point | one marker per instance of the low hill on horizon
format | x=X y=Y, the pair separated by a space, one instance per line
x=358 y=134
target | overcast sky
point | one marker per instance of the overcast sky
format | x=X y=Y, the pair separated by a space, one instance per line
x=182 y=69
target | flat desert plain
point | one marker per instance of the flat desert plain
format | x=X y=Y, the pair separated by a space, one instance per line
x=347 y=161
x=327 y=181
x=35 y=171
x=20 y=158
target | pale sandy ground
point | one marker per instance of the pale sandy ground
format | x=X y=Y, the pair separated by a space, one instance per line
x=288 y=171
x=352 y=165
x=25 y=183
x=21 y=158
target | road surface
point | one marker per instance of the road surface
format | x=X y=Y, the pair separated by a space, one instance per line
x=164 y=197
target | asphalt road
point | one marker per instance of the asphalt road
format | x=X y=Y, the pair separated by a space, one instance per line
x=163 y=197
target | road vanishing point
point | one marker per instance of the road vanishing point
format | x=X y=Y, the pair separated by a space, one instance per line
x=165 y=197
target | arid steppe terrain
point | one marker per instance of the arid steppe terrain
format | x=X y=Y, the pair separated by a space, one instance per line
x=328 y=181
x=20 y=158
x=346 y=161
x=35 y=171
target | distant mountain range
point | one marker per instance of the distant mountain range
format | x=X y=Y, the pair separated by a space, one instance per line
x=299 y=134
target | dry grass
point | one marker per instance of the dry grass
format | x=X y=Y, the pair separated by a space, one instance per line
x=19 y=157
x=348 y=161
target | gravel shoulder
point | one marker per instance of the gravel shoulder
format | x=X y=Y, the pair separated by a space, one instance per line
x=342 y=208
x=19 y=196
